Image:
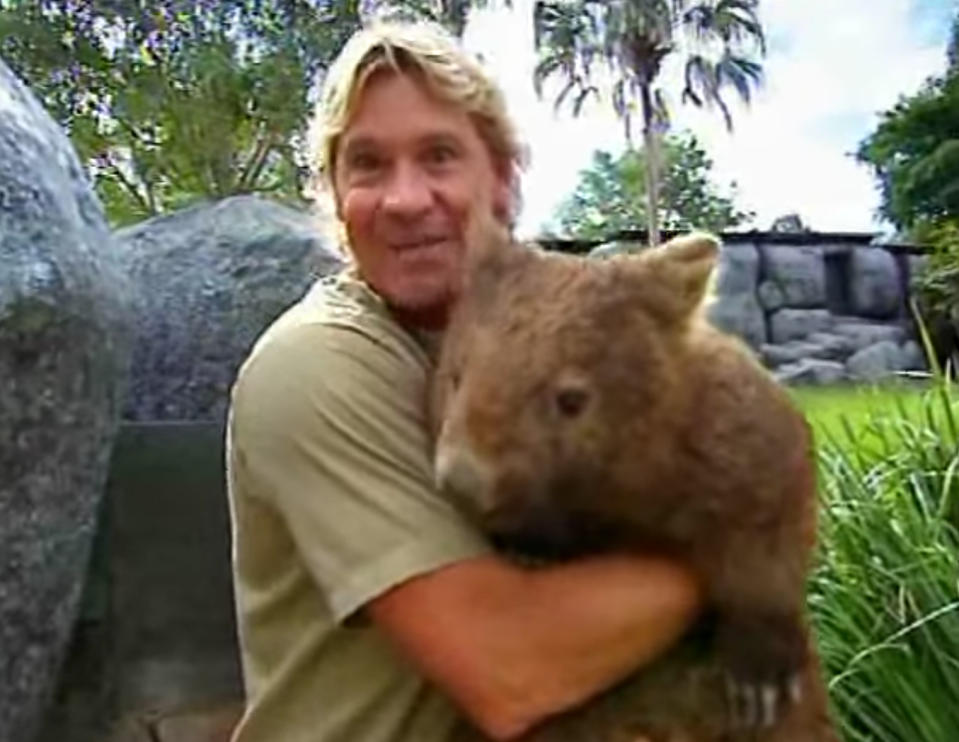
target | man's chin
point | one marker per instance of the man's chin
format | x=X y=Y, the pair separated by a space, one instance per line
x=426 y=307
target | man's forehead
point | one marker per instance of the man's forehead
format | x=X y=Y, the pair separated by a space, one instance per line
x=360 y=137
x=394 y=105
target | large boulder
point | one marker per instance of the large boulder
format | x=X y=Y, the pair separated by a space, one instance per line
x=913 y=356
x=64 y=344
x=820 y=345
x=793 y=276
x=812 y=371
x=874 y=283
x=209 y=279
x=735 y=307
x=861 y=333
x=796 y=324
x=833 y=347
x=877 y=361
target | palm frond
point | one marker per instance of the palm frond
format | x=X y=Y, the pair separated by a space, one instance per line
x=733 y=22
x=697 y=76
x=584 y=93
x=739 y=72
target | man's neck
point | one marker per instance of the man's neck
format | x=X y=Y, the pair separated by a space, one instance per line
x=428 y=319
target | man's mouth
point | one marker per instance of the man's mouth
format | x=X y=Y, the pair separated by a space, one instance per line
x=418 y=244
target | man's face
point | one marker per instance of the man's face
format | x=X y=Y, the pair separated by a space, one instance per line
x=409 y=170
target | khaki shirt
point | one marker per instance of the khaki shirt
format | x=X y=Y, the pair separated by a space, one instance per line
x=331 y=504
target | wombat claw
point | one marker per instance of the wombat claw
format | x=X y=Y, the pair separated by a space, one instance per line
x=754 y=705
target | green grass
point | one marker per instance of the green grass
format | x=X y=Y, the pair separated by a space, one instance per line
x=825 y=407
x=884 y=594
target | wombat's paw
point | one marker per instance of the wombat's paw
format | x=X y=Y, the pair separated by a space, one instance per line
x=761 y=705
x=764 y=663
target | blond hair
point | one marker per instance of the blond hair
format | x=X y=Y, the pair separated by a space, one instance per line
x=429 y=54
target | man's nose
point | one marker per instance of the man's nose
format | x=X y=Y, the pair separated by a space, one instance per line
x=408 y=193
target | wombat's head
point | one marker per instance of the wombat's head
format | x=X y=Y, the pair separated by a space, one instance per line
x=554 y=371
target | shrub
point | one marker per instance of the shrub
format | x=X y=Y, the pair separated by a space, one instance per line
x=884 y=594
x=937 y=286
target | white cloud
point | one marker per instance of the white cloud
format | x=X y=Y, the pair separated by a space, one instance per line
x=832 y=68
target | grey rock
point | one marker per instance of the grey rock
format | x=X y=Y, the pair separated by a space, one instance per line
x=740 y=315
x=796 y=324
x=738 y=270
x=811 y=371
x=793 y=276
x=819 y=345
x=913 y=358
x=771 y=296
x=209 y=280
x=876 y=362
x=833 y=347
x=862 y=333
x=823 y=346
x=735 y=307
x=874 y=287
x=781 y=355
x=64 y=348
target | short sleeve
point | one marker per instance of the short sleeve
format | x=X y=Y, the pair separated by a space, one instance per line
x=330 y=430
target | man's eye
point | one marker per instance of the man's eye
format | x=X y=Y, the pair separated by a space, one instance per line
x=440 y=155
x=365 y=161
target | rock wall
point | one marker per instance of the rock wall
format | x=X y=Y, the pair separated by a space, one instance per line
x=817 y=308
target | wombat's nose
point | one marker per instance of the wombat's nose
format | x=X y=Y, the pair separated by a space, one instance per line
x=459 y=472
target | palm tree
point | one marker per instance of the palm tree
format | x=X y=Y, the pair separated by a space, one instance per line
x=630 y=39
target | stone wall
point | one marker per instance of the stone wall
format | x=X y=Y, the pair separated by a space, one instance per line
x=156 y=638
x=816 y=308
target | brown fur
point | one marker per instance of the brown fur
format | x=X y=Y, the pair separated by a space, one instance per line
x=609 y=413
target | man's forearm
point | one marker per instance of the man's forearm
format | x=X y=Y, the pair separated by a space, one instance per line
x=596 y=622
x=514 y=646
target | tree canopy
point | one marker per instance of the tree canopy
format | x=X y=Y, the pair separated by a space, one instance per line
x=170 y=101
x=914 y=152
x=611 y=194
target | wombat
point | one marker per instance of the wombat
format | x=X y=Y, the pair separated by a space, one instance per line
x=582 y=404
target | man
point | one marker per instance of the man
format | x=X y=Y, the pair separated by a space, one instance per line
x=368 y=609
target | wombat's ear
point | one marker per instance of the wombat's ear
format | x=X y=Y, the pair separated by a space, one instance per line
x=683 y=267
x=490 y=251
x=486 y=237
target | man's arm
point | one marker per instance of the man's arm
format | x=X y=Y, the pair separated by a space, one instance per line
x=512 y=646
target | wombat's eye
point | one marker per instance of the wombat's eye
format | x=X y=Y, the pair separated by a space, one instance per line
x=571 y=401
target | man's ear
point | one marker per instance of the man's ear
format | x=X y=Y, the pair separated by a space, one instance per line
x=677 y=274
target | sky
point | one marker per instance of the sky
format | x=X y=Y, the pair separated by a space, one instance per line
x=832 y=67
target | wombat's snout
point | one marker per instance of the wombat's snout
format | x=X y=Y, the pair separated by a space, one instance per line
x=463 y=475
